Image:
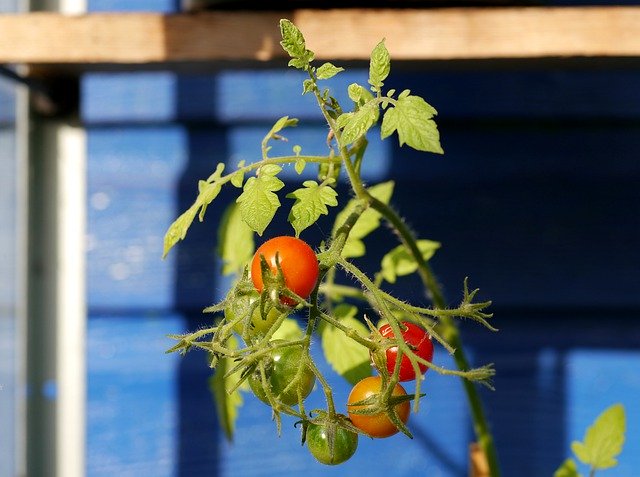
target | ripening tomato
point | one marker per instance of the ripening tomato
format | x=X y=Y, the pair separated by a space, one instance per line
x=281 y=370
x=420 y=342
x=319 y=443
x=241 y=307
x=376 y=425
x=298 y=263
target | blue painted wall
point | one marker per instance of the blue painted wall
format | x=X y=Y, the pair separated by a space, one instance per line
x=536 y=200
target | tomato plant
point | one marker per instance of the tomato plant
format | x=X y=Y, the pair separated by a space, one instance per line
x=419 y=342
x=330 y=444
x=247 y=317
x=362 y=408
x=294 y=259
x=286 y=374
x=285 y=283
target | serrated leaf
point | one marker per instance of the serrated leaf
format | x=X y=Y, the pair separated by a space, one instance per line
x=603 y=440
x=411 y=118
x=359 y=122
x=227 y=404
x=235 y=241
x=567 y=469
x=358 y=94
x=367 y=223
x=292 y=39
x=178 y=229
x=379 y=66
x=399 y=261
x=258 y=201
x=311 y=202
x=327 y=70
x=289 y=330
x=308 y=85
x=347 y=357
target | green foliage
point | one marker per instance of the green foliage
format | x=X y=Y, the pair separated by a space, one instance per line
x=368 y=222
x=347 y=357
x=411 y=117
x=567 y=469
x=227 y=402
x=311 y=202
x=252 y=322
x=399 y=261
x=601 y=445
x=379 y=66
x=327 y=71
x=235 y=241
x=259 y=201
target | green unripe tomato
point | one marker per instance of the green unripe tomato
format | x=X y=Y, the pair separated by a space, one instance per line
x=281 y=370
x=241 y=308
x=345 y=444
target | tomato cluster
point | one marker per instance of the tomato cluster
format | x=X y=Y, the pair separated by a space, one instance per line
x=285 y=377
x=380 y=424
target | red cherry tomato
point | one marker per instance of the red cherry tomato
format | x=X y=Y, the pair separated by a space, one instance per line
x=421 y=343
x=298 y=263
x=376 y=425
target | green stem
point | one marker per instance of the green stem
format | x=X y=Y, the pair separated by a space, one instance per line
x=450 y=332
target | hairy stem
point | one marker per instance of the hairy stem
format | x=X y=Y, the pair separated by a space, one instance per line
x=450 y=332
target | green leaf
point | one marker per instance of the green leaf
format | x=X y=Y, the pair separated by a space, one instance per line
x=311 y=202
x=237 y=179
x=567 y=469
x=327 y=70
x=227 y=405
x=293 y=43
x=280 y=124
x=347 y=357
x=207 y=191
x=289 y=330
x=258 y=201
x=603 y=440
x=300 y=165
x=367 y=223
x=399 y=261
x=379 y=66
x=178 y=229
x=235 y=241
x=411 y=117
x=358 y=94
x=292 y=39
x=357 y=123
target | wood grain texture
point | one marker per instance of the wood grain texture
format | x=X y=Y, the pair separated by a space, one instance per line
x=350 y=34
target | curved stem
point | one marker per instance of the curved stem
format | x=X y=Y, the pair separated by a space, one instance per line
x=450 y=332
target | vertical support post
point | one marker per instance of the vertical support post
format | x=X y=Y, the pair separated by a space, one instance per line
x=56 y=306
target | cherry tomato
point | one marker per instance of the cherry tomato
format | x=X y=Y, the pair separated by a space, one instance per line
x=298 y=263
x=376 y=425
x=241 y=308
x=421 y=343
x=344 y=446
x=281 y=370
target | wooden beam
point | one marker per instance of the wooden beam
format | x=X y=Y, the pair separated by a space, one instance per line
x=347 y=34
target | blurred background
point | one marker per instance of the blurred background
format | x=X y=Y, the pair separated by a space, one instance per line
x=536 y=200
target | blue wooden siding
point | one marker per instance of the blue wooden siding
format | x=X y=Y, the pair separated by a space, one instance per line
x=536 y=200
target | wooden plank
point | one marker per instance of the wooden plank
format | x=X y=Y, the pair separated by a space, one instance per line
x=411 y=34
